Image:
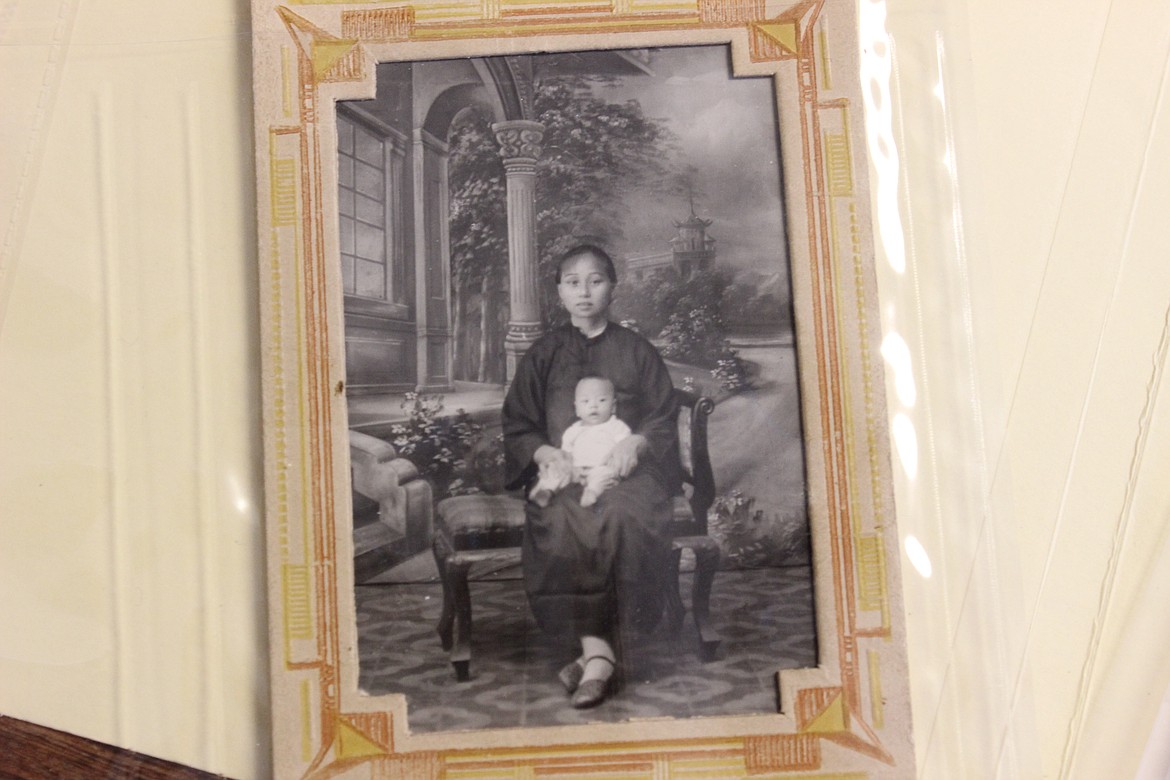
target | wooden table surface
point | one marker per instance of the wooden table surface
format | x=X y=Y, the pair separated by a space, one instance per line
x=31 y=752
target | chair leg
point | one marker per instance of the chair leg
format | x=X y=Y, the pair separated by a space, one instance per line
x=461 y=646
x=675 y=611
x=447 y=617
x=706 y=564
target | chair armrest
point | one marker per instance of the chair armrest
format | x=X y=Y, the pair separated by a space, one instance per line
x=696 y=460
x=369 y=450
x=404 y=497
x=367 y=453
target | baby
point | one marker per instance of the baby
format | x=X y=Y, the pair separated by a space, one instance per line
x=588 y=442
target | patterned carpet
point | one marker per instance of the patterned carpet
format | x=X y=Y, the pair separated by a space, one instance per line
x=765 y=617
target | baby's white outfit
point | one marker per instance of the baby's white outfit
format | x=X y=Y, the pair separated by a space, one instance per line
x=589 y=446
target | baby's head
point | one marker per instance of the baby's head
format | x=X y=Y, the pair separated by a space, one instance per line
x=595 y=400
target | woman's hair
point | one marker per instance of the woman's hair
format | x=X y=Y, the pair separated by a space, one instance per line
x=588 y=249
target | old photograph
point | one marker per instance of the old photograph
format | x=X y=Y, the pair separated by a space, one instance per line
x=575 y=435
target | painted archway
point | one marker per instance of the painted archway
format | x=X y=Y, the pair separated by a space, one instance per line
x=393 y=212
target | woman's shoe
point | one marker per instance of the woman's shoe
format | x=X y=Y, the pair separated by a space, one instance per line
x=570 y=675
x=594 y=691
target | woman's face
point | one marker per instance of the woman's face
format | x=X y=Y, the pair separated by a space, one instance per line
x=584 y=289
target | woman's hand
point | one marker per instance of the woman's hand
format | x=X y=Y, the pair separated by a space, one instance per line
x=624 y=455
x=556 y=463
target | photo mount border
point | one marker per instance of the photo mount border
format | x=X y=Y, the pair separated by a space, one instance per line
x=851 y=713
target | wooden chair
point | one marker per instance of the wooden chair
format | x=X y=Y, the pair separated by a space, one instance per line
x=478 y=529
x=689 y=526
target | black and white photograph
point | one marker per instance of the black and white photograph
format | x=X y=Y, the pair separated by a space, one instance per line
x=578 y=474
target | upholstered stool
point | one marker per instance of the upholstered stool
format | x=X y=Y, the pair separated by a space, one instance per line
x=470 y=530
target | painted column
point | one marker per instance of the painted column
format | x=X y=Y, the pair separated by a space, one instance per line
x=520 y=147
x=432 y=263
x=419 y=155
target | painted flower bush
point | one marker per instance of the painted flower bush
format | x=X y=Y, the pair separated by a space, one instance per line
x=449 y=450
x=749 y=538
x=698 y=337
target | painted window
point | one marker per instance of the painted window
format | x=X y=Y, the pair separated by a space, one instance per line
x=370 y=264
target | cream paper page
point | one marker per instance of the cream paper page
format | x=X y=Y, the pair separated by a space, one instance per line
x=131 y=575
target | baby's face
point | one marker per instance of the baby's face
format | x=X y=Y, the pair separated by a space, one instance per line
x=594 y=401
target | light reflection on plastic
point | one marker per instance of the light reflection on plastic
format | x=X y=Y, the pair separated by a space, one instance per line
x=949 y=159
x=918 y=556
x=897 y=356
x=239 y=497
x=876 y=67
x=906 y=444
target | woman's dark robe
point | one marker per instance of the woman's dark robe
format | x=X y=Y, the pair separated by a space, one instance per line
x=586 y=568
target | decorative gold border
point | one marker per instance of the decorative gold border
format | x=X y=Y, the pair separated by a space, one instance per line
x=848 y=718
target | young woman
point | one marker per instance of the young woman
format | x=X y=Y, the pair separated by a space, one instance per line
x=590 y=572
